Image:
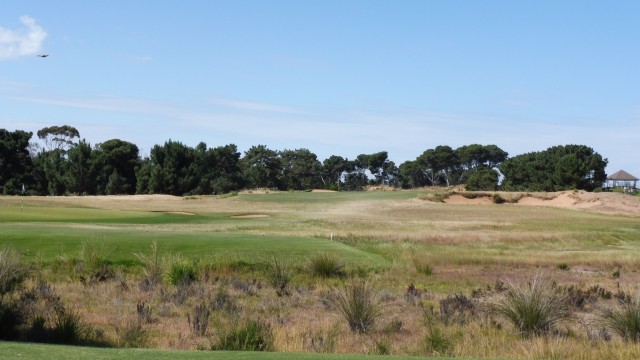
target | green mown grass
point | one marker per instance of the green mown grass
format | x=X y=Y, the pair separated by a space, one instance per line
x=12 y=350
x=48 y=241
x=327 y=197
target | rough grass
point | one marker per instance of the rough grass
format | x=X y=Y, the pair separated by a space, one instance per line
x=535 y=308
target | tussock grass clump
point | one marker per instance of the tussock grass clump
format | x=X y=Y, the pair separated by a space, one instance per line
x=436 y=341
x=533 y=309
x=325 y=265
x=181 y=273
x=250 y=335
x=278 y=275
x=12 y=272
x=422 y=266
x=624 y=320
x=68 y=328
x=94 y=261
x=200 y=319
x=133 y=335
x=153 y=266
x=439 y=197
x=358 y=303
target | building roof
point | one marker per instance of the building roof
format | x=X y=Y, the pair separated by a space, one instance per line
x=623 y=176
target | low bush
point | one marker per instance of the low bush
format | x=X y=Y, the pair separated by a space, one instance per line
x=278 y=275
x=69 y=329
x=12 y=272
x=153 y=266
x=325 y=265
x=533 y=309
x=422 y=267
x=181 y=273
x=436 y=341
x=200 y=320
x=358 y=303
x=133 y=335
x=251 y=335
x=624 y=320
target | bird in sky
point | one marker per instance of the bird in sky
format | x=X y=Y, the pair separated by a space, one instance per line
x=43 y=55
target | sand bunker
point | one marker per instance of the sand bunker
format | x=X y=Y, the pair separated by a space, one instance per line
x=249 y=216
x=461 y=200
x=598 y=202
x=323 y=191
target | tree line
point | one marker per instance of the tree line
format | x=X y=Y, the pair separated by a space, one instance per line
x=66 y=164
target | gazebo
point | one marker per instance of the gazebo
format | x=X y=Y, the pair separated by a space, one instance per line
x=622 y=180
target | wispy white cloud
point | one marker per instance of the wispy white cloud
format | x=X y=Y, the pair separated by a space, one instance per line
x=404 y=133
x=102 y=103
x=254 y=106
x=24 y=41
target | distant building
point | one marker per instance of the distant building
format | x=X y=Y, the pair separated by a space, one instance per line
x=621 y=180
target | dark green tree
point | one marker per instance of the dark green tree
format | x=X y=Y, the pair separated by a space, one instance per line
x=483 y=179
x=555 y=169
x=301 y=170
x=412 y=175
x=116 y=161
x=261 y=168
x=217 y=169
x=170 y=169
x=58 y=137
x=80 y=177
x=333 y=169
x=228 y=174
x=439 y=164
x=51 y=172
x=475 y=156
x=15 y=161
x=143 y=176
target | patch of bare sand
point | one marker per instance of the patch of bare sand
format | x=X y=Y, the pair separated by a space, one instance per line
x=249 y=216
x=603 y=202
x=614 y=203
x=323 y=191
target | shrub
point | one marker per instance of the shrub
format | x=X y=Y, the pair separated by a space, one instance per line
x=144 y=313
x=251 y=335
x=533 y=309
x=133 y=335
x=11 y=318
x=422 y=267
x=278 y=275
x=153 y=266
x=358 y=303
x=484 y=179
x=69 y=329
x=326 y=265
x=563 y=266
x=497 y=199
x=624 y=320
x=200 y=319
x=182 y=273
x=436 y=340
x=12 y=272
x=457 y=308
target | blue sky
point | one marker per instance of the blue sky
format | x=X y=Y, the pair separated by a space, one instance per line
x=336 y=77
